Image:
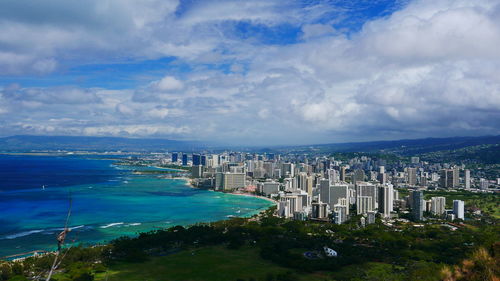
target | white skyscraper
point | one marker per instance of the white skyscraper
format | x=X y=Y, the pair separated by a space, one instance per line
x=467 y=179
x=331 y=194
x=364 y=204
x=438 y=205
x=215 y=160
x=386 y=200
x=458 y=209
x=231 y=181
x=288 y=205
x=367 y=189
x=333 y=176
x=340 y=213
x=381 y=169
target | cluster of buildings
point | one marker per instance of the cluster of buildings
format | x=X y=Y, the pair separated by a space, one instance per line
x=323 y=188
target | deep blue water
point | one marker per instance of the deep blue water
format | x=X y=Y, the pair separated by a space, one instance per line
x=107 y=202
x=27 y=172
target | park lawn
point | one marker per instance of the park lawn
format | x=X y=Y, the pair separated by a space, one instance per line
x=372 y=270
x=379 y=271
x=208 y=263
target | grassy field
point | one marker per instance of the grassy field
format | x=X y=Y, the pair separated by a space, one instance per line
x=488 y=203
x=387 y=272
x=204 y=264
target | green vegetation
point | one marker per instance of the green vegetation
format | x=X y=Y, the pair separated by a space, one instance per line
x=484 y=154
x=178 y=167
x=483 y=160
x=155 y=172
x=487 y=202
x=271 y=248
x=346 y=156
x=483 y=265
x=203 y=264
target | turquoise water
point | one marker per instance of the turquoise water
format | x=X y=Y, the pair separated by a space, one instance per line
x=118 y=203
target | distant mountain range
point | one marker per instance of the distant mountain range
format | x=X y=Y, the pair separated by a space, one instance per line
x=401 y=147
x=72 y=143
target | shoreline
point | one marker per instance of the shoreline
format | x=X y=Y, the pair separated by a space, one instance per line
x=189 y=182
x=166 y=168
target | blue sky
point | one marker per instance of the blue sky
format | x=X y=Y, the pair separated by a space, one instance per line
x=246 y=72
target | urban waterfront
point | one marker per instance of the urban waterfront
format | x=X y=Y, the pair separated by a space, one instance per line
x=108 y=201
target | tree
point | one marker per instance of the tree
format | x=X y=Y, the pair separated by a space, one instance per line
x=481 y=266
x=5 y=271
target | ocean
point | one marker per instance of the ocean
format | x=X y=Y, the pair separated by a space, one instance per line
x=107 y=201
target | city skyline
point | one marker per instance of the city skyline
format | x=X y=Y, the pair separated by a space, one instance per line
x=261 y=72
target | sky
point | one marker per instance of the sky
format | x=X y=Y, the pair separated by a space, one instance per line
x=250 y=72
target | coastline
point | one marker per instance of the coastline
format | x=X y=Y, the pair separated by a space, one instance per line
x=172 y=169
x=189 y=182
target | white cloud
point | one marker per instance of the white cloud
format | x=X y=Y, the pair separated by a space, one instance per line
x=169 y=83
x=135 y=130
x=430 y=69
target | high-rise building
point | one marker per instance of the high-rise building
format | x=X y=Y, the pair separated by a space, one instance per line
x=417 y=205
x=364 y=204
x=288 y=169
x=319 y=210
x=412 y=176
x=215 y=160
x=447 y=178
x=231 y=181
x=175 y=157
x=309 y=185
x=386 y=200
x=184 y=159
x=484 y=184
x=204 y=160
x=284 y=209
x=218 y=181
x=196 y=159
x=358 y=175
x=382 y=178
x=438 y=205
x=333 y=176
x=268 y=169
x=423 y=180
x=324 y=190
x=381 y=169
x=368 y=189
x=467 y=179
x=335 y=195
x=458 y=209
x=289 y=205
x=268 y=188
x=340 y=213
x=456 y=176
x=302 y=181
x=343 y=173
x=197 y=171
x=415 y=160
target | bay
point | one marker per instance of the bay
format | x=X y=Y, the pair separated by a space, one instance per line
x=108 y=201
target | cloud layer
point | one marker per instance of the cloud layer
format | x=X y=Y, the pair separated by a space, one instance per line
x=425 y=69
